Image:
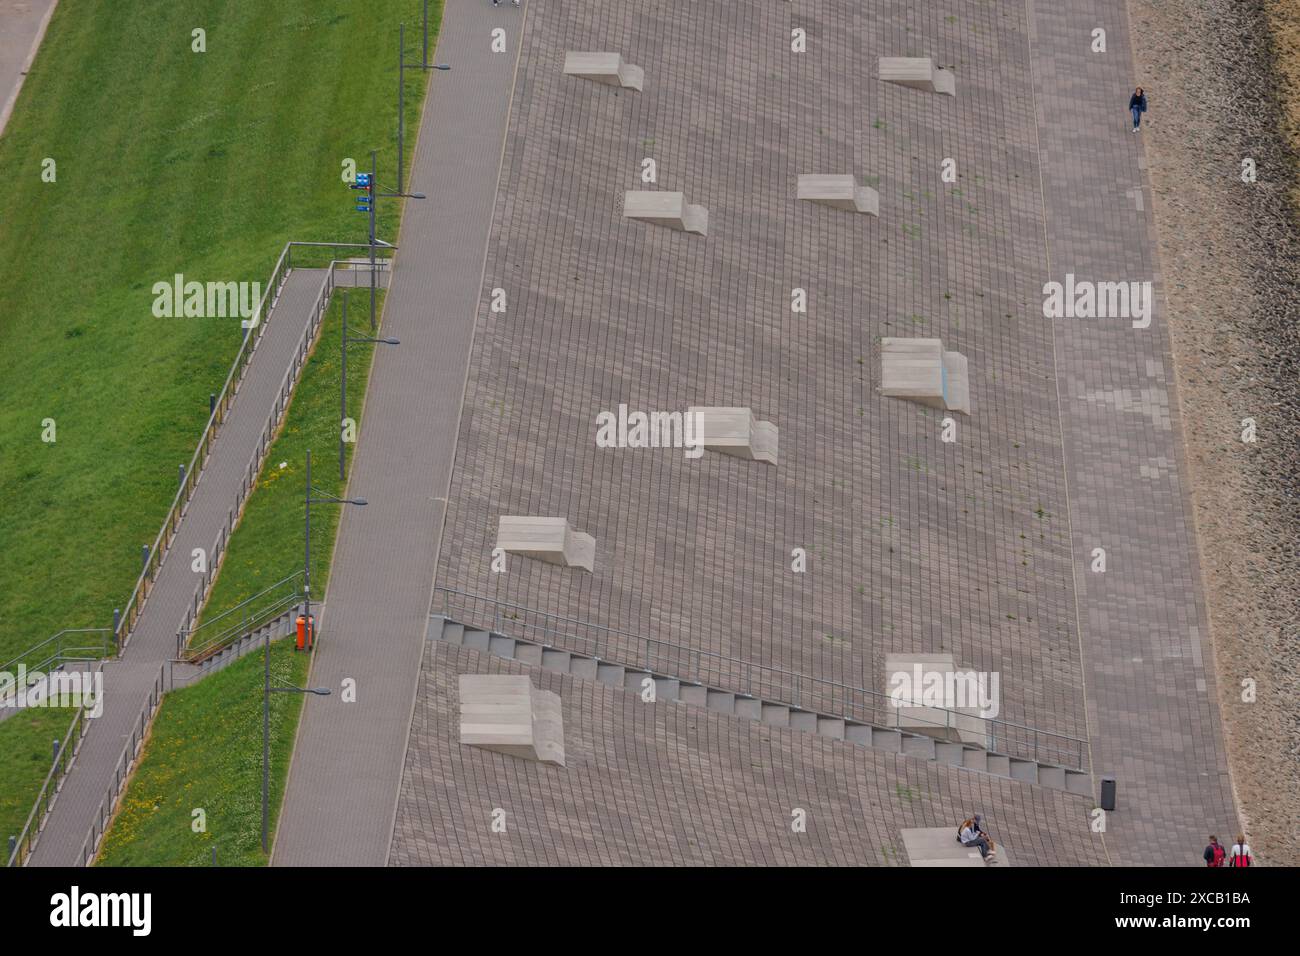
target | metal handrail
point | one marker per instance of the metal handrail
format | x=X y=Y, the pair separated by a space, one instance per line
x=122 y=771
x=764 y=681
x=238 y=620
x=68 y=749
x=61 y=653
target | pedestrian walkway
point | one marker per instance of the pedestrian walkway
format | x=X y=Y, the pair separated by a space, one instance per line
x=128 y=681
x=347 y=765
x=22 y=26
x=1153 y=714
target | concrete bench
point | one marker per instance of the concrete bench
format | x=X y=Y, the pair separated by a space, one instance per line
x=840 y=191
x=607 y=68
x=919 y=370
x=917 y=72
x=736 y=432
x=505 y=713
x=938 y=846
x=665 y=209
x=947 y=723
x=546 y=539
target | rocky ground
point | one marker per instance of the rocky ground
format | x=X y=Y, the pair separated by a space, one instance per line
x=1223 y=81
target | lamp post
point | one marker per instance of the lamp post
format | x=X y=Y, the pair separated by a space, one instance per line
x=308 y=501
x=267 y=691
x=375 y=242
x=343 y=391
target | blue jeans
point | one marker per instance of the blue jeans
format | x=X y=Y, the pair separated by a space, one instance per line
x=1137 y=117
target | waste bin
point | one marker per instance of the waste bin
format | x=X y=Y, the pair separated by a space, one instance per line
x=305 y=632
x=1108 y=793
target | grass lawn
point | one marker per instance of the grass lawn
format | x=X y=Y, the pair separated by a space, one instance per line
x=167 y=161
x=205 y=752
x=26 y=754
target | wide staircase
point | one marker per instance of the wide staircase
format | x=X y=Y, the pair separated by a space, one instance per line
x=656 y=686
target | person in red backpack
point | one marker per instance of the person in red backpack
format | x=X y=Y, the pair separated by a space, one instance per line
x=1214 y=852
x=1239 y=855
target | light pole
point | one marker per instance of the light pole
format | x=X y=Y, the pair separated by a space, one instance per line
x=267 y=691
x=374 y=240
x=401 y=83
x=343 y=392
x=308 y=501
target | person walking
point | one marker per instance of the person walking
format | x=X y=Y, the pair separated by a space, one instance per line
x=1137 y=105
x=1239 y=855
x=1213 y=854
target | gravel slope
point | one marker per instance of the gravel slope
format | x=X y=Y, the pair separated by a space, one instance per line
x=1223 y=80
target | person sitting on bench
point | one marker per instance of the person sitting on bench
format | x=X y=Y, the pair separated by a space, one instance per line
x=971 y=834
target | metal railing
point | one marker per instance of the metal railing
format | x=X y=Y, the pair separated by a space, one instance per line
x=122 y=770
x=69 y=645
x=745 y=678
x=274 y=420
x=245 y=617
x=71 y=743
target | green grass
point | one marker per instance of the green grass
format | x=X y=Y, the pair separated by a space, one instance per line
x=205 y=752
x=26 y=753
x=167 y=161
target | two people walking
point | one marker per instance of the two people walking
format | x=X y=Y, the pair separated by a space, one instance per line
x=1239 y=855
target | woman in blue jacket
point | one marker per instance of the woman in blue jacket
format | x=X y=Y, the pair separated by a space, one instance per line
x=1137 y=105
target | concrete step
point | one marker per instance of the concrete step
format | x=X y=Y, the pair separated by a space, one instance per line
x=775 y=715
x=1026 y=770
x=479 y=640
x=945 y=751
x=610 y=674
x=919 y=745
x=501 y=646
x=634 y=681
x=751 y=708
x=452 y=632
x=553 y=660
x=1053 y=777
x=972 y=758
x=720 y=701
x=694 y=694
x=804 y=720
x=1078 y=782
x=832 y=727
x=885 y=739
x=585 y=667
x=999 y=764
x=667 y=688
x=530 y=654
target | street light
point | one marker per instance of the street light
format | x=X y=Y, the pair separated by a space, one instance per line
x=267 y=691
x=343 y=392
x=325 y=499
x=368 y=206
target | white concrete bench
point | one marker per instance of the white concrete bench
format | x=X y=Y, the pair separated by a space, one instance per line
x=938 y=846
x=919 y=370
x=736 y=432
x=665 y=209
x=959 y=724
x=840 y=191
x=919 y=73
x=505 y=713
x=546 y=539
x=607 y=68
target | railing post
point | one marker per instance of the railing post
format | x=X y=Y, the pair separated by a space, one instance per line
x=117 y=624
